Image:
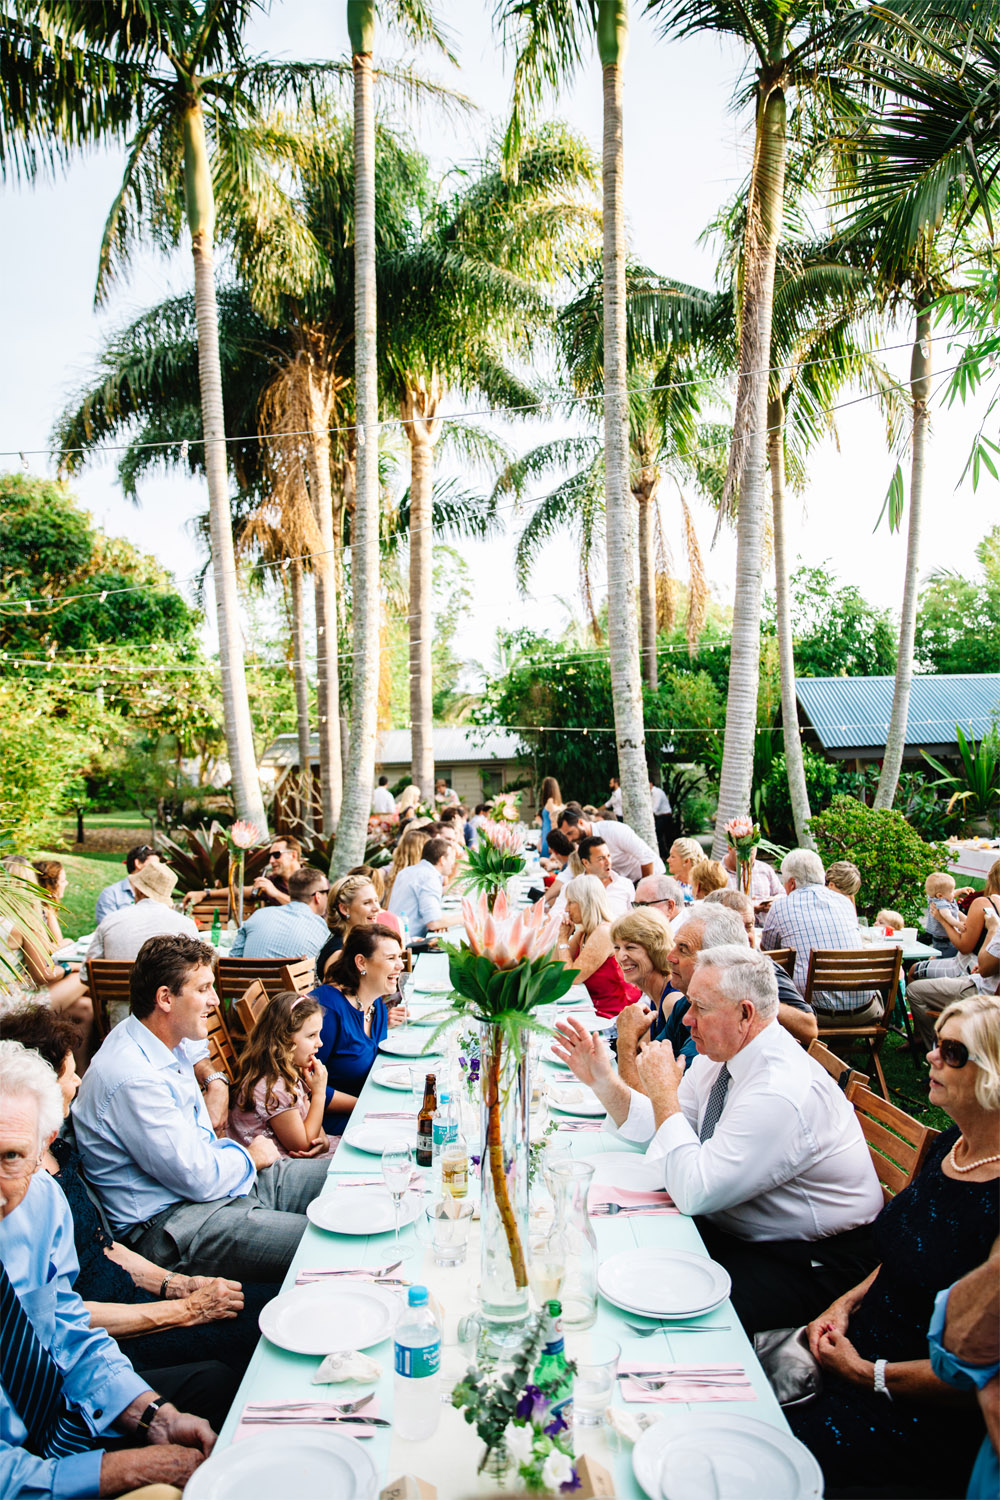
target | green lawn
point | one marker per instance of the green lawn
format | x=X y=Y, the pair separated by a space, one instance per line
x=88 y=874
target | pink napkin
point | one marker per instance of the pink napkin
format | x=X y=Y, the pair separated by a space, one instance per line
x=601 y=1193
x=571 y=1125
x=344 y=1273
x=734 y=1385
x=306 y=1416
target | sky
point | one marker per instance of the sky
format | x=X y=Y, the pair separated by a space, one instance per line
x=685 y=154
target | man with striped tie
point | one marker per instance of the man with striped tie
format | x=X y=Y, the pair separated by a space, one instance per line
x=754 y=1140
x=67 y=1393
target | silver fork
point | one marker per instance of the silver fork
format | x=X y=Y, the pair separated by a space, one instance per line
x=346 y=1408
x=664 y=1380
x=608 y=1210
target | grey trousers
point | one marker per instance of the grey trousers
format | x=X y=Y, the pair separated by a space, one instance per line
x=249 y=1239
x=866 y=1016
x=929 y=997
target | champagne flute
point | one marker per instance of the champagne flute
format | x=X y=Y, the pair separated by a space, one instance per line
x=397 y=1169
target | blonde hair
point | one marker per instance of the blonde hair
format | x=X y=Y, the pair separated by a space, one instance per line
x=408 y=797
x=688 y=849
x=893 y=919
x=845 y=877
x=409 y=851
x=940 y=883
x=342 y=893
x=980 y=1026
x=708 y=875
x=992 y=886
x=651 y=930
x=588 y=893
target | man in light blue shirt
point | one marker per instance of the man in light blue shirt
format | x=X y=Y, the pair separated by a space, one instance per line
x=171 y=1188
x=295 y=930
x=114 y=897
x=65 y=1387
x=811 y=915
x=417 y=889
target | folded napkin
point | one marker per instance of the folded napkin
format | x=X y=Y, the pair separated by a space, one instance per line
x=349 y=1366
x=416 y=1182
x=733 y=1384
x=306 y=1415
x=396 y=1073
x=350 y=1273
x=564 y=1125
x=601 y=1194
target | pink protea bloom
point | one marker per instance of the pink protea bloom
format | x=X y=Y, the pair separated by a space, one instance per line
x=508 y=938
x=244 y=835
x=503 y=836
x=740 y=827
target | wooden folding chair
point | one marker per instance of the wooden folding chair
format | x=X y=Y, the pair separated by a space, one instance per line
x=213 y=904
x=250 y=1005
x=898 y=1143
x=221 y=1051
x=300 y=975
x=838 y=1070
x=851 y=971
x=108 y=983
x=234 y=976
x=785 y=957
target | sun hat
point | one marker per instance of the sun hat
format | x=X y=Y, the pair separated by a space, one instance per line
x=155 y=881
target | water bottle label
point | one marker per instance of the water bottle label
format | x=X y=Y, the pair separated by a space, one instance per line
x=440 y=1134
x=418 y=1361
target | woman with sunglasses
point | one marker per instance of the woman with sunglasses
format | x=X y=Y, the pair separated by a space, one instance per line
x=884 y=1419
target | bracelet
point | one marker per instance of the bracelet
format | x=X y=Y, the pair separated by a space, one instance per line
x=165 y=1283
x=145 y=1422
x=881 y=1389
x=214 y=1078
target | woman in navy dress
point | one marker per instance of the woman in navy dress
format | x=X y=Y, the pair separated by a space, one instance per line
x=355 y=1015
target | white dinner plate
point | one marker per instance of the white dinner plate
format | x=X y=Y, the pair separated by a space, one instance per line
x=589 y=1019
x=627 y=1169
x=751 y=1459
x=322 y=1319
x=322 y=1462
x=364 y=1210
x=549 y=1056
x=393 y=1076
x=574 y=1099
x=429 y=1015
x=374 y=1135
x=401 y=1042
x=663 y=1283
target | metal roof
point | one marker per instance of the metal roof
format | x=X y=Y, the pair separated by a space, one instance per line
x=453 y=745
x=852 y=713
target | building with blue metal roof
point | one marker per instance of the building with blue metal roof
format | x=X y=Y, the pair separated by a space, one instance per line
x=848 y=717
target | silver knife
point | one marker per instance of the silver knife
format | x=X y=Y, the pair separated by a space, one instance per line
x=309 y=1421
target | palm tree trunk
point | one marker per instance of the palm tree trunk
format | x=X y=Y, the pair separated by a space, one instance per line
x=301 y=678
x=353 y=827
x=623 y=633
x=647 y=585
x=327 y=666
x=421 y=612
x=767 y=193
x=794 y=765
x=200 y=205
x=920 y=390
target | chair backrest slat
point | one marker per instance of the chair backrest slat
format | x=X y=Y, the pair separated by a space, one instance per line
x=250 y=1005
x=299 y=975
x=840 y=1071
x=897 y=1142
x=233 y=976
x=220 y=1046
x=785 y=957
x=108 y=981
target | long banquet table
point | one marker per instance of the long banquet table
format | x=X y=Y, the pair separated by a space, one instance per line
x=449 y=1459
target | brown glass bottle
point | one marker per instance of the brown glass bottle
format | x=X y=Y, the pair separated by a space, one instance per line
x=425 y=1123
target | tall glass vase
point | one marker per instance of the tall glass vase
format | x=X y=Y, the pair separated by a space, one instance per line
x=744 y=871
x=237 y=865
x=504 y=1209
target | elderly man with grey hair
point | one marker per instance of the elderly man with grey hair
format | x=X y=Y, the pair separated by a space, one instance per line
x=809 y=916
x=754 y=1139
x=661 y=893
x=66 y=1390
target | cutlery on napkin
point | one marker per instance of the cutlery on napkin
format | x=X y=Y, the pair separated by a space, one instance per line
x=603 y=1196
x=566 y=1126
x=315 y=1414
x=684 y=1382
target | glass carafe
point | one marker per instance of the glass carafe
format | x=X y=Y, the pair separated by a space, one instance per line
x=574 y=1234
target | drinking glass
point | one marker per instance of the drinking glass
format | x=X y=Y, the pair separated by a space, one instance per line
x=397 y=1169
x=445 y=1228
x=594 y=1381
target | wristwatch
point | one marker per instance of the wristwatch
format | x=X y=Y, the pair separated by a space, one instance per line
x=213 y=1078
x=881 y=1389
x=145 y=1422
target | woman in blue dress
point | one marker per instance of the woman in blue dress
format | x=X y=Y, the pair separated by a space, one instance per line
x=355 y=1015
x=550 y=801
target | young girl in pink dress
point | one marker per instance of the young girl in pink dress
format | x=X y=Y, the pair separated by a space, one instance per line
x=280 y=1088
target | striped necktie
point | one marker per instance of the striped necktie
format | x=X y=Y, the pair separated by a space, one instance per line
x=716 y=1104
x=34 y=1383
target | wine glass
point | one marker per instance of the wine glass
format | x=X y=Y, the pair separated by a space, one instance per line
x=397 y=1169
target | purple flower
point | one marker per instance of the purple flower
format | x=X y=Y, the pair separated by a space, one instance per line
x=476 y=1160
x=557 y=1425
x=571 y=1484
x=532 y=1404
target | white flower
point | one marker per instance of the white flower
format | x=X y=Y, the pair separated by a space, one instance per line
x=557 y=1470
x=520 y=1441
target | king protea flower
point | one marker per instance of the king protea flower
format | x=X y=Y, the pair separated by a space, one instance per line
x=244 y=835
x=740 y=827
x=503 y=836
x=504 y=938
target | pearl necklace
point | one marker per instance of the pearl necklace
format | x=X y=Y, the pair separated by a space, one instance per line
x=982 y=1162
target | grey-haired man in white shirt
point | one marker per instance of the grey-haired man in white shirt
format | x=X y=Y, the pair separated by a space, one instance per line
x=756 y=1141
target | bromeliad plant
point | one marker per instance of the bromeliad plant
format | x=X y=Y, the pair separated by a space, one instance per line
x=501 y=977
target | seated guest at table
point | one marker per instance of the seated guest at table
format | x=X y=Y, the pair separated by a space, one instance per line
x=939 y=888
x=812 y=916
x=845 y=877
x=560 y=850
x=643 y=941
x=882 y=1413
x=293 y=931
x=684 y=854
x=123 y=933
x=764 y=881
x=167 y=1319
x=928 y=997
x=408 y=851
x=755 y=1138
x=67 y=1392
x=661 y=893
x=271 y=888
x=964 y=1345
x=966 y=937
x=585 y=946
x=631 y=856
x=794 y=1013
x=417 y=890
x=355 y=1015
x=455 y=820
x=353 y=902
x=113 y=897
x=30 y=951
x=280 y=1087
x=171 y=1189
x=707 y=875
x=53 y=880
x=595 y=858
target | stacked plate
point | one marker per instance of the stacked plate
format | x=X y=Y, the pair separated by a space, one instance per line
x=402 y=1042
x=374 y=1135
x=360 y=1210
x=322 y=1319
x=574 y=1099
x=323 y=1463
x=688 y=1455
x=663 y=1283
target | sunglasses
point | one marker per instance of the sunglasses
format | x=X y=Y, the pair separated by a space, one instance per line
x=952 y=1053
x=658 y=902
x=276 y=853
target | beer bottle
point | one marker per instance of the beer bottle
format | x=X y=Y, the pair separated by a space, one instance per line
x=425 y=1123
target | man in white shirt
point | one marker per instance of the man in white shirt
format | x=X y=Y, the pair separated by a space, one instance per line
x=122 y=893
x=418 y=889
x=596 y=860
x=123 y=933
x=614 y=802
x=661 y=817
x=756 y=1140
x=382 y=802
x=631 y=856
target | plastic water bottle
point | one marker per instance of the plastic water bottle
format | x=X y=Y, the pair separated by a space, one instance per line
x=417 y=1398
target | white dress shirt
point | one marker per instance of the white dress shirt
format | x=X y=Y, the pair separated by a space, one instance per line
x=661 y=802
x=619 y=895
x=628 y=851
x=787 y=1160
x=615 y=802
x=123 y=933
x=382 y=801
x=416 y=896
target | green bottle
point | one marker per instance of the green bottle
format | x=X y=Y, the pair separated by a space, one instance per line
x=216 y=928
x=552 y=1374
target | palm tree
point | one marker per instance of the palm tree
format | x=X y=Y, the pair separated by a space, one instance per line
x=549 y=41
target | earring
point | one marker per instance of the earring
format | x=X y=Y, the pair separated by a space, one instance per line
x=364 y=971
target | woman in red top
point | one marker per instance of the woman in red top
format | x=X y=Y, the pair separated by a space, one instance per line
x=585 y=944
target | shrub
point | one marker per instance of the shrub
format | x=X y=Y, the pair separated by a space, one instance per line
x=893 y=859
